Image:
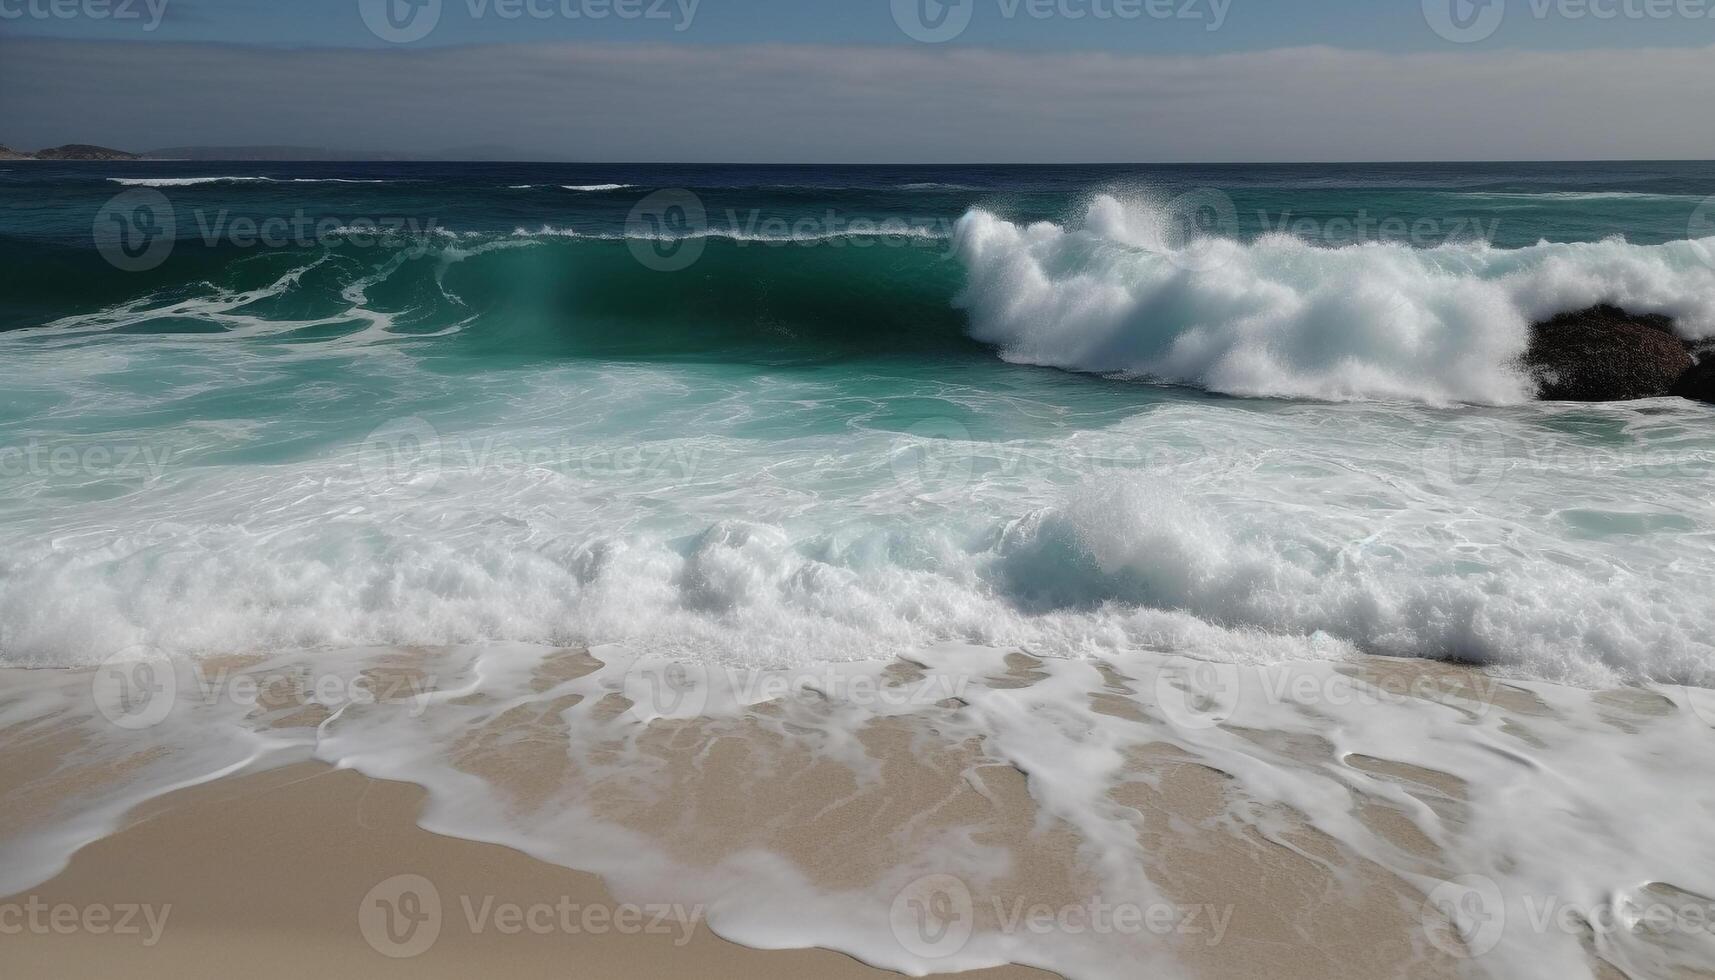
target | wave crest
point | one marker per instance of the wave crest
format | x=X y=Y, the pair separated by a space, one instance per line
x=198 y=181
x=1282 y=317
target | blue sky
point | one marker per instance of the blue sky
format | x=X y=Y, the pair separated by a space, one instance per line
x=856 y=81
x=1248 y=25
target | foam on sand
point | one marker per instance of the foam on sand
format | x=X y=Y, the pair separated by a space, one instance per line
x=1386 y=817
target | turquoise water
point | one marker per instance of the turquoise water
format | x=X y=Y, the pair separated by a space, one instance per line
x=786 y=415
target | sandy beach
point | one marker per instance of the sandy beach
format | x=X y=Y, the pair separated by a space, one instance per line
x=270 y=871
x=289 y=864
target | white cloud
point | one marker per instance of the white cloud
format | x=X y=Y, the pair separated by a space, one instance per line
x=809 y=103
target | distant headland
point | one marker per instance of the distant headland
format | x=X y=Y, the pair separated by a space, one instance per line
x=70 y=151
x=86 y=151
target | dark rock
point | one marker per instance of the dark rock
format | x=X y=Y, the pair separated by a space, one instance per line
x=1698 y=384
x=1604 y=354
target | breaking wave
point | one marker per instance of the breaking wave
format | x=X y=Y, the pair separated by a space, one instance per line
x=1123 y=293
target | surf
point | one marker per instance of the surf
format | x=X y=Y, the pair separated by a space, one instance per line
x=1124 y=292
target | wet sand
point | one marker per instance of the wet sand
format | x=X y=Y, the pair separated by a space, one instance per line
x=263 y=876
x=291 y=867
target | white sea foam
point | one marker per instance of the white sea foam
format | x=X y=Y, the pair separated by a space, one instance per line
x=186 y=181
x=588 y=188
x=193 y=181
x=1242 y=536
x=1288 y=318
x=1570 y=196
x=1555 y=798
x=883 y=228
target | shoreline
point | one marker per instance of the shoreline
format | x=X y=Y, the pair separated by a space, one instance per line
x=271 y=869
x=1091 y=818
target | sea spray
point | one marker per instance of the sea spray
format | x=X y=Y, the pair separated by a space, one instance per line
x=1283 y=317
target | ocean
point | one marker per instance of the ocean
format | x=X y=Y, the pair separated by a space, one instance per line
x=776 y=414
x=825 y=547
